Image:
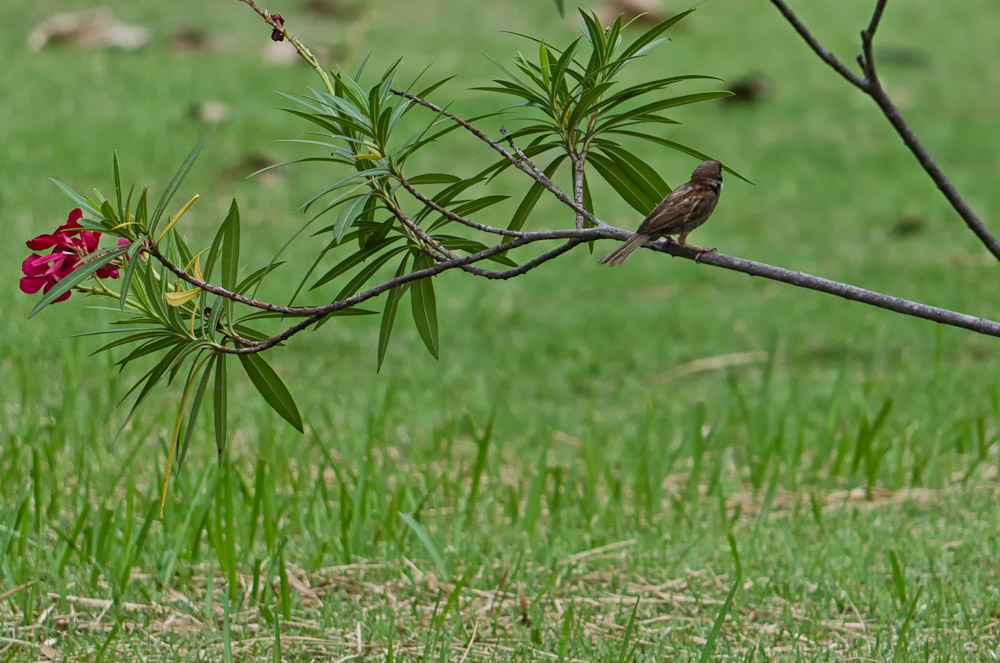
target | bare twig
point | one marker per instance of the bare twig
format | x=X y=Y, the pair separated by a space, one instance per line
x=872 y=86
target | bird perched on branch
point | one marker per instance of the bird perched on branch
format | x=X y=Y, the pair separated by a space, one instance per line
x=683 y=210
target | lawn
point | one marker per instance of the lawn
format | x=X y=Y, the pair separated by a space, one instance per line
x=658 y=461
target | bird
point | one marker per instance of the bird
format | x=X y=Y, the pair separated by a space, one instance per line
x=684 y=209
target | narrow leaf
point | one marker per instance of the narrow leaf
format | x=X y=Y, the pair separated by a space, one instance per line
x=434 y=178
x=220 y=408
x=77 y=276
x=389 y=314
x=424 y=307
x=77 y=198
x=272 y=388
x=231 y=247
x=532 y=197
x=626 y=188
x=347 y=216
x=175 y=183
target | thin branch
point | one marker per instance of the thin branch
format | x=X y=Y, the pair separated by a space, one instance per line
x=853 y=293
x=872 y=86
x=438 y=252
x=522 y=165
x=451 y=215
x=825 y=55
x=539 y=174
x=876 y=17
x=579 y=162
x=434 y=249
x=576 y=237
x=528 y=238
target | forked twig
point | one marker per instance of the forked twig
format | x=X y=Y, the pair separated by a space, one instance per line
x=872 y=86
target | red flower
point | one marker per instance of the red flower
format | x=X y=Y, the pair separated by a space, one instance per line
x=70 y=245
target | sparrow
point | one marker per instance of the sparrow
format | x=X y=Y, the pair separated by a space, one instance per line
x=684 y=209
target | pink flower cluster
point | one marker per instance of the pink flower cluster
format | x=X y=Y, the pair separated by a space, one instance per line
x=70 y=245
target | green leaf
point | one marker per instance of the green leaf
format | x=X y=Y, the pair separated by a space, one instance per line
x=456 y=243
x=424 y=307
x=434 y=178
x=270 y=386
x=898 y=581
x=636 y=48
x=389 y=314
x=363 y=275
x=543 y=62
x=534 y=194
x=162 y=342
x=645 y=87
x=720 y=620
x=175 y=184
x=259 y=274
x=449 y=193
x=220 y=395
x=199 y=396
x=630 y=192
x=77 y=276
x=586 y=104
x=679 y=147
x=231 y=247
x=81 y=201
x=517 y=90
x=132 y=261
x=637 y=169
x=425 y=540
x=355 y=259
x=142 y=208
x=354 y=179
x=559 y=86
x=662 y=104
x=143 y=334
x=118 y=185
x=348 y=215
x=171 y=359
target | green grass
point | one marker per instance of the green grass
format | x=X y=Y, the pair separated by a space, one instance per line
x=563 y=484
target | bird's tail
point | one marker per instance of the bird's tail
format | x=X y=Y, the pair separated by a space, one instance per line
x=621 y=254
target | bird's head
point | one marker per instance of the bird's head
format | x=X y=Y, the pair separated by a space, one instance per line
x=708 y=171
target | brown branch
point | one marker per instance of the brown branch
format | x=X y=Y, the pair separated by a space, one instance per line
x=576 y=237
x=872 y=86
x=458 y=261
x=579 y=160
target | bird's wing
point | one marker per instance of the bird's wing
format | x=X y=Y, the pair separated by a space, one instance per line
x=668 y=215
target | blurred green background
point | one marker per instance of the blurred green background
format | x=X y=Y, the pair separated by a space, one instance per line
x=648 y=399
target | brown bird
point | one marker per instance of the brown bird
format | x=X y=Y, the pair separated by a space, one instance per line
x=683 y=210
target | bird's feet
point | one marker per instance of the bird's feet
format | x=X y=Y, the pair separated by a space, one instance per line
x=700 y=250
